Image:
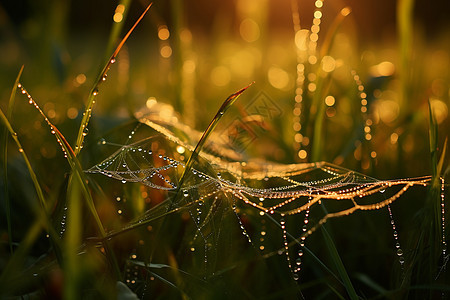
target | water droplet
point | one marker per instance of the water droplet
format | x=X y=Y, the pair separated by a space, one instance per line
x=401 y=260
x=124 y=181
x=102 y=141
x=382 y=191
x=20 y=150
x=95 y=92
x=295 y=276
x=113 y=60
x=298 y=261
x=399 y=252
x=185 y=193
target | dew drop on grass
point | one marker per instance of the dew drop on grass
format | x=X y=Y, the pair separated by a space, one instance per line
x=95 y=92
x=102 y=141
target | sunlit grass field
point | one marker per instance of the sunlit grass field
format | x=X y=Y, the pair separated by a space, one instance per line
x=250 y=149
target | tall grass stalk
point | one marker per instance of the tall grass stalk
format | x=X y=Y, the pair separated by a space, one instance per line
x=82 y=131
x=405 y=9
x=322 y=87
x=4 y=149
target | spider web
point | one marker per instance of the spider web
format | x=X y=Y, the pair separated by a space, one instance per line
x=275 y=191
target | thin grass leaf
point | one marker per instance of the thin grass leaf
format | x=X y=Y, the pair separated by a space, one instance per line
x=339 y=265
x=72 y=267
x=4 y=150
x=405 y=9
x=322 y=88
x=117 y=28
x=225 y=106
x=102 y=77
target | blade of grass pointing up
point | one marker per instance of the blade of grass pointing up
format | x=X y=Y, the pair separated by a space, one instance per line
x=225 y=106
x=94 y=92
x=322 y=88
x=4 y=149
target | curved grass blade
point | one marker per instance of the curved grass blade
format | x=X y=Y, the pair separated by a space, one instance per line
x=102 y=77
x=4 y=149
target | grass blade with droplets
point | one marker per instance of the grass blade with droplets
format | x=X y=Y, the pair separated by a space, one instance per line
x=94 y=92
x=225 y=106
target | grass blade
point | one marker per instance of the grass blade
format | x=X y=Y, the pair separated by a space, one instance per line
x=225 y=106
x=339 y=265
x=102 y=77
x=4 y=150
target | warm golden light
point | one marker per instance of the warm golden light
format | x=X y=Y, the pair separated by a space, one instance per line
x=118 y=14
x=278 y=78
x=150 y=102
x=384 y=68
x=249 y=30
x=328 y=64
x=166 y=51
x=329 y=100
x=301 y=38
x=439 y=109
x=163 y=32
x=302 y=154
x=220 y=76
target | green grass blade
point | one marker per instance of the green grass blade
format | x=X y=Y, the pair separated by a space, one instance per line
x=323 y=88
x=117 y=28
x=405 y=27
x=4 y=150
x=72 y=241
x=94 y=92
x=225 y=106
x=339 y=265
